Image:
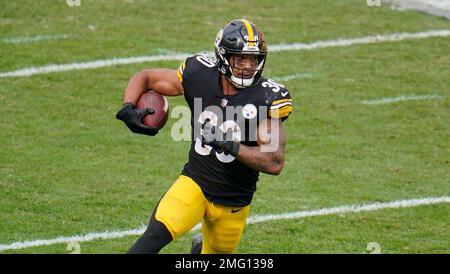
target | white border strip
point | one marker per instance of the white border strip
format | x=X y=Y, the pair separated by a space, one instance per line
x=275 y=48
x=252 y=220
x=412 y=97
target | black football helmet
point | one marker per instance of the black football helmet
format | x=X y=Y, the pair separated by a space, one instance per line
x=240 y=37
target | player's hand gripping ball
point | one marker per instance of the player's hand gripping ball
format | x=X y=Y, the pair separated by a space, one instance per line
x=148 y=116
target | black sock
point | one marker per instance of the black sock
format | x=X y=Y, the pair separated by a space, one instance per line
x=155 y=237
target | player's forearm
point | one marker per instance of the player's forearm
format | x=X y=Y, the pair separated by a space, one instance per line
x=266 y=162
x=135 y=88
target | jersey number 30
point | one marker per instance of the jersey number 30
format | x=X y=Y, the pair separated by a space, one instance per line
x=224 y=127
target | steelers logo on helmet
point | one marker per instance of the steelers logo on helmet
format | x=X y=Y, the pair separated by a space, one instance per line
x=240 y=37
x=255 y=43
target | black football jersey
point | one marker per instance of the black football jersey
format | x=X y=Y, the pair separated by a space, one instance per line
x=222 y=178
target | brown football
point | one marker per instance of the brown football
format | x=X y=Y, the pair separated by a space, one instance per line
x=159 y=104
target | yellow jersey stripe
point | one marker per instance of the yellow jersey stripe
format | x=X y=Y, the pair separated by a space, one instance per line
x=179 y=75
x=251 y=36
x=180 y=71
x=281 y=101
x=279 y=106
x=281 y=113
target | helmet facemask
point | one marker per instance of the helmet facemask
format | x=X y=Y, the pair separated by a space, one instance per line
x=247 y=76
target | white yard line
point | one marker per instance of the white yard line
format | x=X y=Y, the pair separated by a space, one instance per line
x=37 y=38
x=411 y=97
x=350 y=209
x=363 y=40
x=274 y=48
x=293 y=77
x=252 y=220
x=91 y=65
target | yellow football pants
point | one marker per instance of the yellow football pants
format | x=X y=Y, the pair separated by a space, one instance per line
x=184 y=205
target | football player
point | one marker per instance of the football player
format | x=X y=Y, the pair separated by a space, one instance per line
x=237 y=117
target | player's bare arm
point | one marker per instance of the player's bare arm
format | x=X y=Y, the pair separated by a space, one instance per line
x=162 y=81
x=268 y=156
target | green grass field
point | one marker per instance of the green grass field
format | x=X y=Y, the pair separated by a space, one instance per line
x=68 y=167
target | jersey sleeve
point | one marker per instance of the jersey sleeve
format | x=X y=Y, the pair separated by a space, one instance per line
x=192 y=72
x=187 y=69
x=185 y=73
x=280 y=104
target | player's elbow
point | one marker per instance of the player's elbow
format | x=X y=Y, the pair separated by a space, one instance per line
x=139 y=79
x=140 y=75
x=275 y=169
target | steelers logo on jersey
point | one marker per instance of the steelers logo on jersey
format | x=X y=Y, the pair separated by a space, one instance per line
x=249 y=111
